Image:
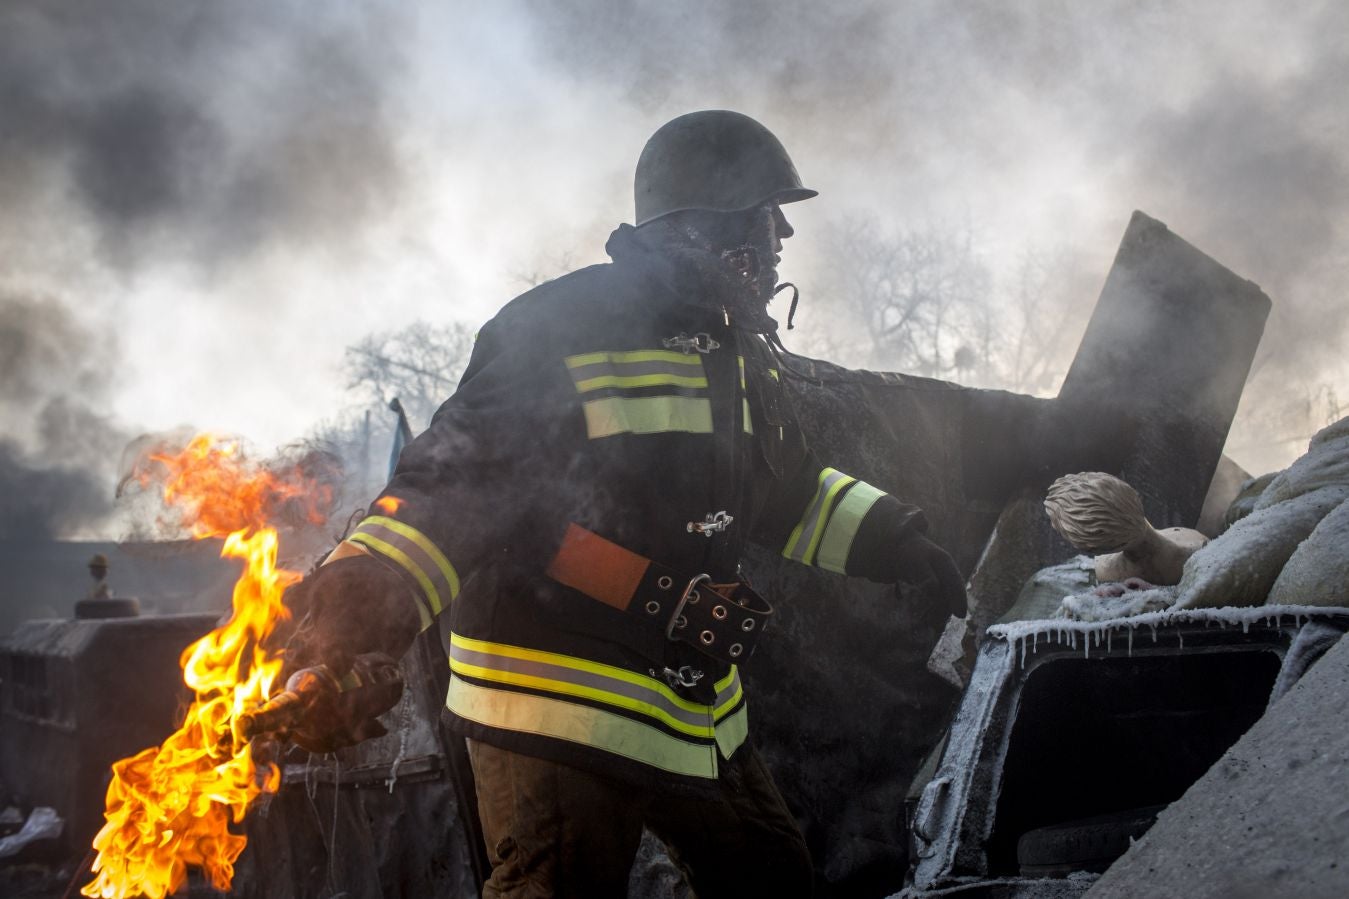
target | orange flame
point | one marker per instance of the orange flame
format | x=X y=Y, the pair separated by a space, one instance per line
x=388 y=504
x=171 y=806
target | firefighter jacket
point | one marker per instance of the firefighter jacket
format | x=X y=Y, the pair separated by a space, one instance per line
x=607 y=400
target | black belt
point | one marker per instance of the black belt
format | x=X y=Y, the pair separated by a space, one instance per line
x=723 y=621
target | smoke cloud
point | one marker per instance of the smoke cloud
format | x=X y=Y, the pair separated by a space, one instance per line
x=1042 y=124
x=60 y=454
x=201 y=130
x=196 y=177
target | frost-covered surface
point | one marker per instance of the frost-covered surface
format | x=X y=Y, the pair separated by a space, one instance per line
x=1317 y=574
x=1248 y=494
x=1096 y=607
x=1241 y=566
x=1026 y=636
x=1268 y=819
x=1043 y=593
x=1070 y=887
x=1326 y=463
x=1331 y=432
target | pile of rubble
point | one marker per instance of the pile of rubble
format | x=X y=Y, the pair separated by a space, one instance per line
x=1286 y=544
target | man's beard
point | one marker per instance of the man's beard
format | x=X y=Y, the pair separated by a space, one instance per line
x=754 y=261
x=731 y=261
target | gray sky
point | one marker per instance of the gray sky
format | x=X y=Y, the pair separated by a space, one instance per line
x=202 y=203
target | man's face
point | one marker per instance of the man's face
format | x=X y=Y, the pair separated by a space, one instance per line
x=782 y=230
x=763 y=229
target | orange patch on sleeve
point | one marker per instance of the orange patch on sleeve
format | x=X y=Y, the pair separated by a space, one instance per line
x=598 y=568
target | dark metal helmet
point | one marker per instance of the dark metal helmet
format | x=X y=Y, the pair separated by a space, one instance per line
x=714 y=160
x=98 y=561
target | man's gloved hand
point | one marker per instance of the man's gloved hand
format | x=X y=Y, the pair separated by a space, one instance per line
x=924 y=564
x=322 y=713
x=355 y=619
x=347 y=608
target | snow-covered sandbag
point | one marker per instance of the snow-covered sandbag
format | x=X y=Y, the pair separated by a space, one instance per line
x=1317 y=574
x=1248 y=494
x=1240 y=567
x=1325 y=464
x=1331 y=432
x=1097 y=607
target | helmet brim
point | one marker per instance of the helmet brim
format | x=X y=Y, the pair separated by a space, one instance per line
x=781 y=197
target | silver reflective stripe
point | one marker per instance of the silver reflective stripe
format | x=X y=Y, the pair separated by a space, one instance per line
x=732 y=727
x=635 y=368
x=545 y=675
x=729 y=692
x=413 y=551
x=843 y=526
x=805 y=537
x=563 y=720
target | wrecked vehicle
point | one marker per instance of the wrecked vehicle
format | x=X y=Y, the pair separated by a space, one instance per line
x=1072 y=736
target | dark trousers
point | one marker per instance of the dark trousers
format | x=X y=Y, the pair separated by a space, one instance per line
x=554 y=830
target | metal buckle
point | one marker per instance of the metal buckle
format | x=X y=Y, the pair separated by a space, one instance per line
x=713 y=522
x=686 y=676
x=690 y=590
x=701 y=342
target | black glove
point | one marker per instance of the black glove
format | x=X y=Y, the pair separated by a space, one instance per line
x=355 y=617
x=347 y=608
x=926 y=565
x=321 y=713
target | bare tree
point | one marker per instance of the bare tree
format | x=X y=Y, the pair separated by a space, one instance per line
x=1043 y=311
x=923 y=300
x=419 y=365
x=543 y=267
x=918 y=293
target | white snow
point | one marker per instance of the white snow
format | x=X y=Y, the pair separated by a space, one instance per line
x=1025 y=635
x=1092 y=606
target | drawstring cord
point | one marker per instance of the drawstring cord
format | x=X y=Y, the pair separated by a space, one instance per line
x=780 y=352
x=796 y=296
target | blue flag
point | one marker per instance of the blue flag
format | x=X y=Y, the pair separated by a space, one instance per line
x=402 y=434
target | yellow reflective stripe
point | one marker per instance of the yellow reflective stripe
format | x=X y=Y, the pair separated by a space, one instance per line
x=647 y=415
x=567 y=688
x=563 y=720
x=825 y=514
x=621 y=357
x=732 y=732
x=426 y=546
x=749 y=425
x=843 y=525
x=741 y=360
x=412 y=568
x=658 y=380
x=729 y=703
x=566 y=661
x=805 y=537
